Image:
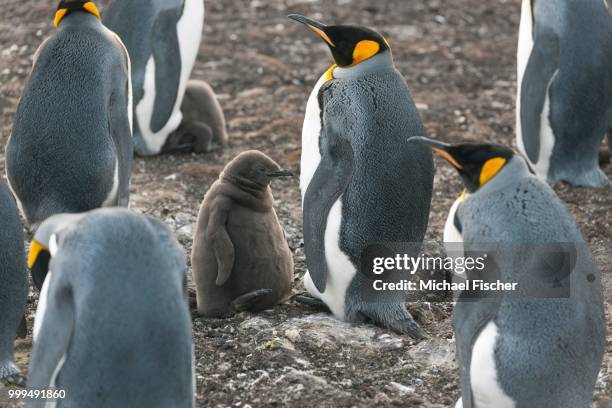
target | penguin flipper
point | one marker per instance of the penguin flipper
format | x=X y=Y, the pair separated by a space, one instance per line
x=328 y=183
x=247 y=301
x=221 y=243
x=167 y=56
x=53 y=337
x=541 y=67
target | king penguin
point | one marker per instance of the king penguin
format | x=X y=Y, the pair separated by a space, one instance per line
x=241 y=260
x=114 y=305
x=361 y=182
x=564 y=90
x=541 y=345
x=71 y=148
x=163 y=38
x=13 y=285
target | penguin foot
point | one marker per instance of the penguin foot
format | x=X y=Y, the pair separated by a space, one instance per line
x=306 y=299
x=246 y=302
x=399 y=320
x=15 y=380
x=11 y=376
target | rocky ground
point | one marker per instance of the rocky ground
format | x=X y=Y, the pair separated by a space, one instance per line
x=459 y=60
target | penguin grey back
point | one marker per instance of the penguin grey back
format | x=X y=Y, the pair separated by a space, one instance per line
x=71 y=148
x=116 y=297
x=389 y=193
x=14 y=283
x=571 y=68
x=515 y=208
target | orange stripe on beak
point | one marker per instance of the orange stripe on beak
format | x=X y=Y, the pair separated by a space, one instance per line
x=448 y=158
x=323 y=35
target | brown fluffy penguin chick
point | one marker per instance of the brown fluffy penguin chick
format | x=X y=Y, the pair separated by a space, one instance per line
x=241 y=260
x=203 y=128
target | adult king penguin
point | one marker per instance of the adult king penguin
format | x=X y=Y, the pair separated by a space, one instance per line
x=71 y=145
x=361 y=182
x=13 y=286
x=542 y=344
x=114 y=304
x=564 y=101
x=163 y=38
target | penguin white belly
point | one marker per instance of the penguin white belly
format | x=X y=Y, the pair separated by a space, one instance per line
x=111 y=199
x=42 y=306
x=311 y=131
x=340 y=269
x=525 y=46
x=189 y=31
x=453 y=240
x=486 y=390
x=547 y=137
x=451 y=233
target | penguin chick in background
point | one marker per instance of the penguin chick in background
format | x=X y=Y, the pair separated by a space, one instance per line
x=114 y=304
x=71 y=149
x=203 y=128
x=13 y=286
x=361 y=182
x=541 y=346
x=241 y=260
x=163 y=38
x=564 y=91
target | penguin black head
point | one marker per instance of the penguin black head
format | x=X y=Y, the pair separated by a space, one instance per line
x=66 y=7
x=44 y=244
x=349 y=45
x=253 y=169
x=477 y=163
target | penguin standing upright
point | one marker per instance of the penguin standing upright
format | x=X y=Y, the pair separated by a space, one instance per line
x=540 y=345
x=241 y=259
x=564 y=90
x=163 y=38
x=361 y=182
x=114 y=305
x=71 y=148
x=13 y=285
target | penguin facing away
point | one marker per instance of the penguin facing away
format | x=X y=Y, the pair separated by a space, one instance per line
x=163 y=38
x=564 y=91
x=241 y=260
x=117 y=279
x=70 y=149
x=13 y=287
x=522 y=350
x=203 y=128
x=361 y=182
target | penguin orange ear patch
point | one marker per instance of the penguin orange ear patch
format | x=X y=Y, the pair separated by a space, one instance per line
x=364 y=50
x=59 y=16
x=66 y=8
x=491 y=168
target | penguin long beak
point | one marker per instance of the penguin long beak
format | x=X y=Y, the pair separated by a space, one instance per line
x=439 y=147
x=281 y=173
x=314 y=25
x=35 y=250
